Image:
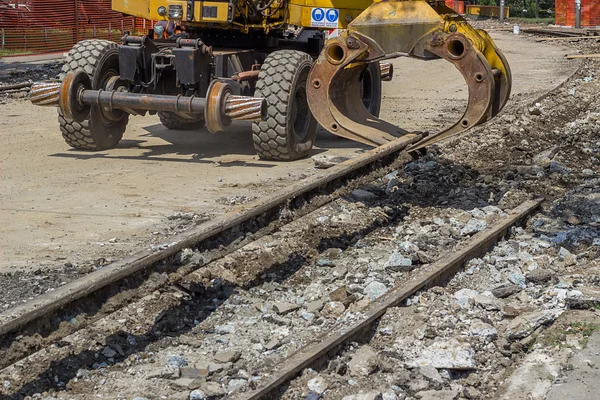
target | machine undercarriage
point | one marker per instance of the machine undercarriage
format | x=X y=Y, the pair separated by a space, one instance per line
x=269 y=62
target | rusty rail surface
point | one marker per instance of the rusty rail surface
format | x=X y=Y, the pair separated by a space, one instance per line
x=46 y=307
x=437 y=273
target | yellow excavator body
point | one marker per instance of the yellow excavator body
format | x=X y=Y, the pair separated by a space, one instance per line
x=296 y=12
x=314 y=62
x=423 y=29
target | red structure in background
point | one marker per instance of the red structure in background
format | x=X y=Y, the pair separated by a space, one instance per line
x=42 y=26
x=456 y=5
x=565 y=12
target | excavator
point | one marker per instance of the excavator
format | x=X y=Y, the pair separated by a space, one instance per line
x=272 y=62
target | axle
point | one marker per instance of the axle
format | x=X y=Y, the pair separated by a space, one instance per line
x=75 y=97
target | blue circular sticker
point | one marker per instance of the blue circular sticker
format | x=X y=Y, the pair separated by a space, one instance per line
x=318 y=14
x=332 y=15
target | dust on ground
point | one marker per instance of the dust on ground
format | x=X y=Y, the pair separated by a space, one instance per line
x=68 y=212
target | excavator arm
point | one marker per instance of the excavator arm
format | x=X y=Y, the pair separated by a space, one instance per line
x=410 y=28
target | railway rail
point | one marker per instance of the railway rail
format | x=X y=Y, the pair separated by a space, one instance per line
x=50 y=313
x=89 y=298
x=435 y=274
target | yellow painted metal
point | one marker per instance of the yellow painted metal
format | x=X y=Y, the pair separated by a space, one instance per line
x=222 y=11
x=397 y=26
x=487 y=11
x=298 y=12
x=140 y=8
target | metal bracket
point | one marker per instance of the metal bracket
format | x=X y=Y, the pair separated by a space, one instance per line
x=190 y=10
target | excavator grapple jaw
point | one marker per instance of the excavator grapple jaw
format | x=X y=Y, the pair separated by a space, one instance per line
x=409 y=28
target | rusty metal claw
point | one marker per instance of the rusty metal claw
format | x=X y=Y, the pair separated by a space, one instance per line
x=334 y=92
x=480 y=78
x=334 y=86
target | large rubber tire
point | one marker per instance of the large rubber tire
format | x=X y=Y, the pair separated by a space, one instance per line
x=371 y=89
x=289 y=131
x=100 y=60
x=173 y=121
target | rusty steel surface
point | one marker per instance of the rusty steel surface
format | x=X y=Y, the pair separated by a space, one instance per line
x=45 y=94
x=415 y=29
x=243 y=108
x=70 y=91
x=387 y=71
x=434 y=274
x=74 y=97
x=214 y=116
x=246 y=76
x=333 y=92
x=489 y=88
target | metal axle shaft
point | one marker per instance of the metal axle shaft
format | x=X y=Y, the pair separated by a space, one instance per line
x=74 y=97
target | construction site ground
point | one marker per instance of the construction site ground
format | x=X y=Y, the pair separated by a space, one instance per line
x=62 y=206
x=521 y=322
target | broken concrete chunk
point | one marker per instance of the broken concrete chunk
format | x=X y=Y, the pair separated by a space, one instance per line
x=473 y=226
x=314 y=306
x=446 y=394
x=216 y=367
x=374 y=290
x=364 y=362
x=408 y=247
x=375 y=395
x=197 y=395
x=483 y=330
x=487 y=302
x=524 y=325
x=505 y=290
x=225 y=329
x=566 y=256
x=397 y=263
x=176 y=361
x=324 y=161
x=187 y=383
x=227 y=356
x=318 y=385
x=284 y=308
x=431 y=373
x=323 y=262
x=339 y=294
x=448 y=355
x=517 y=279
x=308 y=316
x=333 y=309
x=236 y=384
x=465 y=297
x=272 y=344
x=416 y=385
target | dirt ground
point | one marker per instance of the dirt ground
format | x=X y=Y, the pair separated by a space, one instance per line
x=59 y=206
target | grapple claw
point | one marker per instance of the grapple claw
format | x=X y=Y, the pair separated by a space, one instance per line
x=487 y=88
x=334 y=82
x=334 y=92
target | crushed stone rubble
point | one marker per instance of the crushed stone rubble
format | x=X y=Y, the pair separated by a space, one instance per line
x=242 y=339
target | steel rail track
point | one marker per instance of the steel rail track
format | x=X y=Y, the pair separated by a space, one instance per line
x=437 y=273
x=45 y=313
